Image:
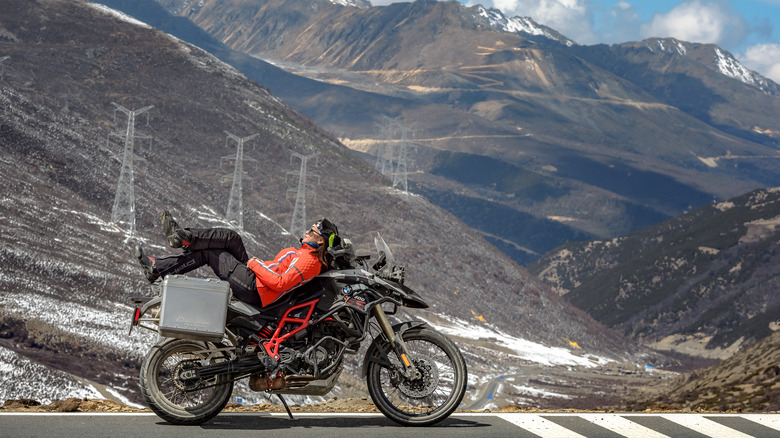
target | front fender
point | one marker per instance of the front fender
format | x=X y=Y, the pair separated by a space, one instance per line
x=377 y=354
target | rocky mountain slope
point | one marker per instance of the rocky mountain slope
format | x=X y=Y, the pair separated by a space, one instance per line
x=588 y=141
x=703 y=283
x=749 y=381
x=67 y=270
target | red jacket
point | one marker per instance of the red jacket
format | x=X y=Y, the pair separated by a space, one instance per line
x=291 y=268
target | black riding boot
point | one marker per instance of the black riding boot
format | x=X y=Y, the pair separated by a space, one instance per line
x=147 y=263
x=176 y=235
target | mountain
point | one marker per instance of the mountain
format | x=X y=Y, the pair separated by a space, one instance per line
x=702 y=283
x=745 y=382
x=588 y=141
x=700 y=80
x=68 y=269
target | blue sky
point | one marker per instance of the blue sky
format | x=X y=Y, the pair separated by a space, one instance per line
x=749 y=29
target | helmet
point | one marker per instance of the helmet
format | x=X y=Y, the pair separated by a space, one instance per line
x=329 y=231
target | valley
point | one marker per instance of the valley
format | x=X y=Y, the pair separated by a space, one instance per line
x=644 y=220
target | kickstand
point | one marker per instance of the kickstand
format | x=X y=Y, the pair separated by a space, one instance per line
x=286 y=407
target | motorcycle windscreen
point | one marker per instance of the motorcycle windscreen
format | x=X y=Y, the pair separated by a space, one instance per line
x=382 y=248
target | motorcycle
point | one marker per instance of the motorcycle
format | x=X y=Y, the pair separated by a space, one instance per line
x=415 y=375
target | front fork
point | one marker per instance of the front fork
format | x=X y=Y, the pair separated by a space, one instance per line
x=410 y=371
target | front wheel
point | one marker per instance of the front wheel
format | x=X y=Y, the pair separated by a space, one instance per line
x=424 y=401
x=170 y=385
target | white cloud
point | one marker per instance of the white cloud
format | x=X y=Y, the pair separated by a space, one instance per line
x=765 y=59
x=699 y=21
x=621 y=24
x=623 y=9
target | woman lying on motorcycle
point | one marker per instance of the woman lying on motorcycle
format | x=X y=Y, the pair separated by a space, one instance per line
x=252 y=281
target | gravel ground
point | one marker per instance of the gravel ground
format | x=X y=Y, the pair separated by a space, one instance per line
x=363 y=404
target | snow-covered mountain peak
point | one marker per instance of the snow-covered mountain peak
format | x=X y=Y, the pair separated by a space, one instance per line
x=729 y=66
x=498 y=21
x=667 y=45
x=722 y=61
x=354 y=3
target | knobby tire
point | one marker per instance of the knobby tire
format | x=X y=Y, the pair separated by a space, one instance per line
x=424 y=402
x=170 y=401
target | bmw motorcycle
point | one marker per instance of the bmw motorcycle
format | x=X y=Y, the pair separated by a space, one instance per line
x=415 y=375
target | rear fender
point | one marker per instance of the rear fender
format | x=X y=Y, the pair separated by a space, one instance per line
x=156 y=301
x=143 y=305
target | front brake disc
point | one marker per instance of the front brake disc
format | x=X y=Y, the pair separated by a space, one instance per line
x=426 y=384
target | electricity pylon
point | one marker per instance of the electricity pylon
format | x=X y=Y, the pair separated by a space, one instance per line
x=387 y=161
x=298 y=221
x=124 y=202
x=400 y=174
x=2 y=67
x=384 y=160
x=235 y=209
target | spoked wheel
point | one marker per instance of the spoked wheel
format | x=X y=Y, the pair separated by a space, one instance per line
x=172 y=388
x=426 y=400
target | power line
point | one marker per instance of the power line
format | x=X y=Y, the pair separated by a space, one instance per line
x=124 y=201
x=298 y=221
x=235 y=209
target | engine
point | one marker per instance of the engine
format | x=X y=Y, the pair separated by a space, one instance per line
x=317 y=357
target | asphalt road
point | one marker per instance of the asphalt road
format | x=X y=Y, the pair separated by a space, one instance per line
x=487 y=395
x=80 y=425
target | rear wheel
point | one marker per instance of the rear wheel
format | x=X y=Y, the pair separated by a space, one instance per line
x=424 y=401
x=171 y=387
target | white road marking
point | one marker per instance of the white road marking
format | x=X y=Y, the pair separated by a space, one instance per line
x=539 y=426
x=621 y=425
x=771 y=421
x=704 y=425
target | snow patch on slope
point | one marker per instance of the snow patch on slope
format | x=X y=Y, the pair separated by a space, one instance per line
x=122 y=16
x=732 y=68
x=47 y=385
x=107 y=328
x=524 y=349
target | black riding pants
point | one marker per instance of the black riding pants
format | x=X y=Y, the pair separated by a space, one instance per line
x=223 y=251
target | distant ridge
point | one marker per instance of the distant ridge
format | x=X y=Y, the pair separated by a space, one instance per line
x=703 y=283
x=745 y=382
